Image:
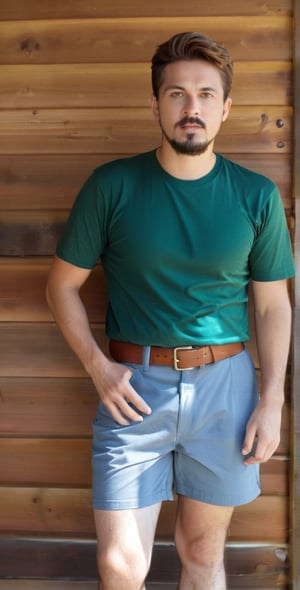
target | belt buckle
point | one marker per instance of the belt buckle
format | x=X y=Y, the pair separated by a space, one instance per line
x=176 y=360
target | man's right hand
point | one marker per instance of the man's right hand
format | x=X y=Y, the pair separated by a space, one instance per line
x=112 y=381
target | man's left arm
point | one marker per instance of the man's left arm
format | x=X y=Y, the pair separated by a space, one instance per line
x=273 y=331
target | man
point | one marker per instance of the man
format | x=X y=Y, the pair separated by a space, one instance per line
x=180 y=232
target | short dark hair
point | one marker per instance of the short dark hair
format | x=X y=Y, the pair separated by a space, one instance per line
x=191 y=46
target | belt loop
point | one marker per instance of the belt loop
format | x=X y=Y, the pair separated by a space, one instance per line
x=146 y=358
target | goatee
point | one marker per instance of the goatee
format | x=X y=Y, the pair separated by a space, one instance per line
x=187 y=147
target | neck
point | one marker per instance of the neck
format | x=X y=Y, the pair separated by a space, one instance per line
x=185 y=167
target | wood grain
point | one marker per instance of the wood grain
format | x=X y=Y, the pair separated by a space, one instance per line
x=34 y=9
x=102 y=85
x=69 y=511
x=43 y=407
x=248 y=566
x=36 y=233
x=30 y=233
x=39 y=350
x=135 y=39
x=67 y=462
x=23 y=298
x=65 y=407
x=240 y=582
x=50 y=181
x=248 y=130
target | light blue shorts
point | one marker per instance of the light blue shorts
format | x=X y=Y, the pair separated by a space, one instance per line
x=191 y=443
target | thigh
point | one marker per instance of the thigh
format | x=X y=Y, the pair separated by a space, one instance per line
x=216 y=407
x=202 y=524
x=133 y=465
x=126 y=533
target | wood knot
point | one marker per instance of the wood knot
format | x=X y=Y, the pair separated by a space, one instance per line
x=29 y=45
x=264 y=119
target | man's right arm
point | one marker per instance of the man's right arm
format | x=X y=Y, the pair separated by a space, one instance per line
x=110 y=379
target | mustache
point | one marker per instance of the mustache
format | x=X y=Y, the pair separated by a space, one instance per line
x=191 y=121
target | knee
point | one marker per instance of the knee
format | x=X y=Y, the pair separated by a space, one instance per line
x=201 y=551
x=122 y=565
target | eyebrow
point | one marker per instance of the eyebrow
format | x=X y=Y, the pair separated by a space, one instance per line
x=202 y=88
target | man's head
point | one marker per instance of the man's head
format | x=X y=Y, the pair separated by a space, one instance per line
x=191 y=46
x=191 y=78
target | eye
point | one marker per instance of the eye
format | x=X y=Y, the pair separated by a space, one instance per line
x=206 y=94
x=176 y=93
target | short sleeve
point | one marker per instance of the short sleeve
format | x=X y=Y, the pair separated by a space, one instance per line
x=271 y=257
x=84 y=237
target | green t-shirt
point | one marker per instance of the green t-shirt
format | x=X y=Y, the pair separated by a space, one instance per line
x=178 y=254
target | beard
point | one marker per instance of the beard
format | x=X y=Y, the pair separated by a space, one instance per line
x=188 y=146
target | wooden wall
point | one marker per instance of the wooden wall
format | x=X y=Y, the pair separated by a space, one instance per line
x=75 y=89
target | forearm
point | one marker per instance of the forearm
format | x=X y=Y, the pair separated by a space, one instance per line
x=71 y=317
x=273 y=331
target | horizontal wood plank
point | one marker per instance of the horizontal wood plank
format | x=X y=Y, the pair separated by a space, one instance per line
x=45 y=407
x=248 y=130
x=30 y=233
x=274 y=476
x=36 y=233
x=46 y=462
x=47 y=181
x=135 y=39
x=69 y=511
x=22 y=297
x=277 y=167
x=260 y=582
x=67 y=462
x=102 y=85
x=50 y=181
x=39 y=350
x=265 y=566
x=34 y=9
x=250 y=523
x=66 y=407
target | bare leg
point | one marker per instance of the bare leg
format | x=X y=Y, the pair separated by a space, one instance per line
x=124 y=550
x=201 y=531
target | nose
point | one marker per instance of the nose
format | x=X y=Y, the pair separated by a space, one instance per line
x=191 y=105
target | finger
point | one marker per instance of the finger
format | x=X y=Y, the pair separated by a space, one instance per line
x=249 y=441
x=137 y=401
x=265 y=453
x=128 y=410
x=261 y=453
x=130 y=394
x=117 y=415
x=121 y=411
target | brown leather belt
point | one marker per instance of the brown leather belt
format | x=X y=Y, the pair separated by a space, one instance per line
x=180 y=358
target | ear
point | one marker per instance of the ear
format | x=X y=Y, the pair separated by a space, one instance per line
x=226 y=109
x=155 y=107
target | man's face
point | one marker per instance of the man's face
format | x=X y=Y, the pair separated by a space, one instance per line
x=190 y=108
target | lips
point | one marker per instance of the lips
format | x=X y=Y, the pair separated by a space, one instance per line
x=191 y=127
